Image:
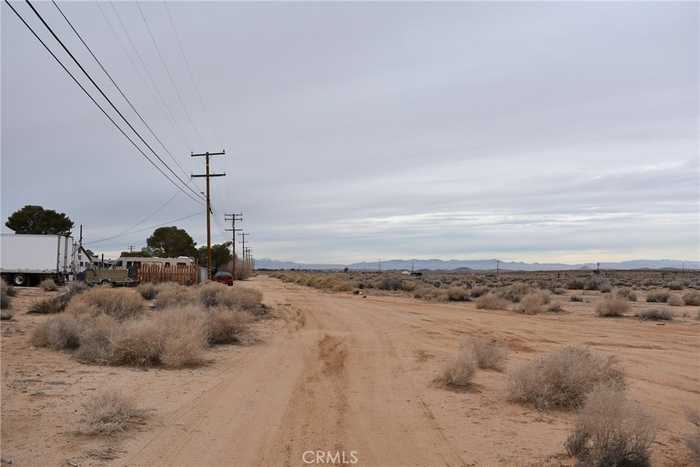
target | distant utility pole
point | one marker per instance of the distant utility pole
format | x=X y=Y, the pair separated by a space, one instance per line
x=207 y=175
x=131 y=248
x=498 y=266
x=243 y=236
x=233 y=217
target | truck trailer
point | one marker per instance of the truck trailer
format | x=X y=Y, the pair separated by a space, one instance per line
x=27 y=259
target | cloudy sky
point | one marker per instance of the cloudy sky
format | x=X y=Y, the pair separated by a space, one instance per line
x=357 y=131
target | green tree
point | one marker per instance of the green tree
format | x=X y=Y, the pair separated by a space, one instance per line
x=37 y=220
x=171 y=242
x=220 y=255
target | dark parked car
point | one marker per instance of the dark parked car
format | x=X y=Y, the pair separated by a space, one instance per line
x=224 y=277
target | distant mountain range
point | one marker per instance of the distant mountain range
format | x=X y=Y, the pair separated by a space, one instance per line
x=477 y=265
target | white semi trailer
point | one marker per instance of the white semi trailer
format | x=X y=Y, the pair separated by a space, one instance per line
x=27 y=259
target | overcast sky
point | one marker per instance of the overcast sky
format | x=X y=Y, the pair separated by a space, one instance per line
x=357 y=131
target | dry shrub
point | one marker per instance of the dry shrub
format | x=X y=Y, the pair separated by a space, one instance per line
x=227 y=326
x=562 y=379
x=612 y=307
x=458 y=294
x=576 y=284
x=627 y=294
x=576 y=298
x=184 y=336
x=5 y=301
x=478 y=291
x=492 y=301
x=656 y=315
x=692 y=440
x=138 y=343
x=389 y=283
x=172 y=294
x=108 y=413
x=6 y=314
x=657 y=296
x=514 y=292
x=533 y=303
x=612 y=431
x=61 y=332
x=96 y=337
x=555 y=308
x=692 y=298
x=408 y=286
x=597 y=282
x=148 y=290
x=120 y=304
x=488 y=354
x=675 y=300
x=459 y=370
x=48 y=285
x=51 y=305
x=213 y=294
x=675 y=285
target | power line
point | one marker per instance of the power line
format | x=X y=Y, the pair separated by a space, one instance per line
x=118 y=88
x=186 y=185
x=192 y=75
x=167 y=70
x=146 y=228
x=109 y=117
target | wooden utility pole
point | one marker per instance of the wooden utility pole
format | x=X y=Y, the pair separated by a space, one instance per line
x=233 y=217
x=208 y=175
x=243 y=236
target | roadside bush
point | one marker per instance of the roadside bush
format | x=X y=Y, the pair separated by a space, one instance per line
x=533 y=303
x=172 y=294
x=48 y=285
x=137 y=343
x=555 y=308
x=147 y=290
x=96 y=336
x=183 y=336
x=692 y=298
x=458 y=294
x=478 y=291
x=576 y=298
x=612 y=307
x=408 y=286
x=226 y=326
x=61 y=332
x=611 y=431
x=657 y=296
x=389 y=283
x=514 y=292
x=459 y=370
x=597 y=282
x=627 y=294
x=656 y=315
x=492 y=301
x=562 y=379
x=675 y=300
x=108 y=412
x=488 y=354
x=120 y=304
x=576 y=284
x=675 y=285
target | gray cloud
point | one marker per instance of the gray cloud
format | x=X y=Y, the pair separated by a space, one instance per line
x=535 y=131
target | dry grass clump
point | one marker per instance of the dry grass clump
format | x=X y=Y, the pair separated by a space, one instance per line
x=656 y=315
x=675 y=285
x=675 y=300
x=108 y=412
x=555 y=307
x=488 y=354
x=514 y=292
x=657 y=296
x=459 y=370
x=492 y=301
x=692 y=441
x=96 y=335
x=533 y=303
x=120 y=304
x=171 y=294
x=576 y=284
x=478 y=291
x=48 y=285
x=408 y=286
x=148 y=290
x=562 y=379
x=213 y=294
x=597 y=282
x=227 y=326
x=61 y=332
x=610 y=430
x=626 y=293
x=389 y=283
x=612 y=307
x=576 y=298
x=692 y=298
x=458 y=294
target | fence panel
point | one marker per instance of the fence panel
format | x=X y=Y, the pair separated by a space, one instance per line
x=184 y=275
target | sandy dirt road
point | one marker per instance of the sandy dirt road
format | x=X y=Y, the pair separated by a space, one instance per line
x=353 y=374
x=348 y=375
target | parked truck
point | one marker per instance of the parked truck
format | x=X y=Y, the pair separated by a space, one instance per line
x=27 y=259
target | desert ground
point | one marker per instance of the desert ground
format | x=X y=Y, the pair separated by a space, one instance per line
x=344 y=372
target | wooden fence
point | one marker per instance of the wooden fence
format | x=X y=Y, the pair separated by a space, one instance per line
x=184 y=275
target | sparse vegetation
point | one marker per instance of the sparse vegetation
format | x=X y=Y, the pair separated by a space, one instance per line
x=692 y=440
x=6 y=291
x=656 y=315
x=675 y=300
x=692 y=298
x=611 y=430
x=120 y=304
x=148 y=290
x=108 y=412
x=488 y=354
x=612 y=307
x=48 y=285
x=227 y=327
x=458 y=294
x=562 y=379
x=61 y=332
x=492 y=301
x=576 y=298
x=627 y=293
x=533 y=303
x=657 y=296
x=58 y=303
x=459 y=370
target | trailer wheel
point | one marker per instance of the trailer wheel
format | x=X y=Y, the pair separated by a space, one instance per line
x=19 y=279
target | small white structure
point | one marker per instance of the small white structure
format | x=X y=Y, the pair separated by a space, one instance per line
x=136 y=261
